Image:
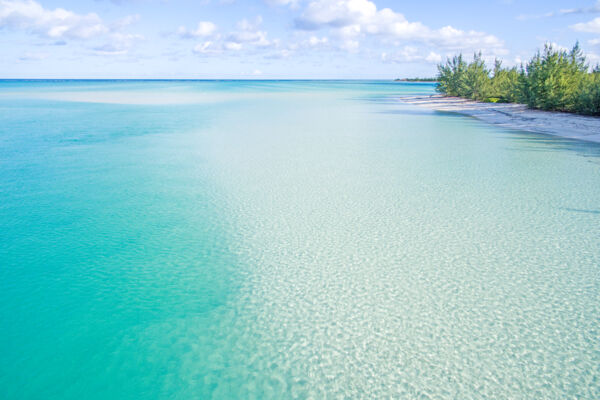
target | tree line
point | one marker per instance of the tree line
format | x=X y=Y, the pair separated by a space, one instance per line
x=553 y=80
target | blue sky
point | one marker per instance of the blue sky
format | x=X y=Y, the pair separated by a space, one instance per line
x=378 y=39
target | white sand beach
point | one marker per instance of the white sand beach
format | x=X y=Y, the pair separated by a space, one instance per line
x=515 y=116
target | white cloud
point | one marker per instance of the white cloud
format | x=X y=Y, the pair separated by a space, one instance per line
x=335 y=13
x=118 y=44
x=204 y=29
x=526 y=17
x=62 y=25
x=557 y=46
x=592 y=26
x=232 y=46
x=122 y=1
x=126 y=21
x=583 y=10
x=407 y=54
x=388 y=22
x=593 y=58
x=291 y=3
x=59 y=23
x=567 y=11
x=258 y=38
x=314 y=41
x=455 y=39
x=247 y=25
x=433 y=57
x=350 y=45
x=594 y=42
x=246 y=36
x=410 y=54
x=109 y=49
x=351 y=19
x=348 y=32
x=248 y=32
x=207 y=47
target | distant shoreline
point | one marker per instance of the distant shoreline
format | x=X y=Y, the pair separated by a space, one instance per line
x=206 y=80
x=417 y=80
x=515 y=116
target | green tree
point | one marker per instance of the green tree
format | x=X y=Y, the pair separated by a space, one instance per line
x=477 y=79
x=451 y=76
x=505 y=84
x=553 y=79
x=588 y=98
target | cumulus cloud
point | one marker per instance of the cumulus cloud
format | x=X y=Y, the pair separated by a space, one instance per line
x=233 y=46
x=203 y=29
x=248 y=32
x=314 y=41
x=433 y=57
x=336 y=13
x=350 y=19
x=592 y=26
x=247 y=35
x=59 y=23
x=410 y=54
x=455 y=39
x=407 y=54
x=62 y=25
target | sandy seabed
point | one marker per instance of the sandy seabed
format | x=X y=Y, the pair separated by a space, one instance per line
x=515 y=116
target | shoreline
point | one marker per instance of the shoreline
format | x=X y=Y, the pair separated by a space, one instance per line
x=514 y=116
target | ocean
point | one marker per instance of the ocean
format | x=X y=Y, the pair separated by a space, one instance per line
x=289 y=239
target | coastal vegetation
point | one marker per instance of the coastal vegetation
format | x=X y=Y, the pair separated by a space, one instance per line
x=553 y=80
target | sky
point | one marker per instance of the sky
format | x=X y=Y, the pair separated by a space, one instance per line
x=279 y=39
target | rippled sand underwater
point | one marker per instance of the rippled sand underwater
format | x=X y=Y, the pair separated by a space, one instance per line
x=289 y=240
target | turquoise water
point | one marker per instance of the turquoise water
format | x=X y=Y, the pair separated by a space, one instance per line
x=286 y=239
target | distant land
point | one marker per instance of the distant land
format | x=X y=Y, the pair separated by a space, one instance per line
x=415 y=80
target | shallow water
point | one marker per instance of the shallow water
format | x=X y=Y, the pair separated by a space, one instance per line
x=287 y=239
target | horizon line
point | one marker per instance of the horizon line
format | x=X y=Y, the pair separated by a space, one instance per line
x=217 y=79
